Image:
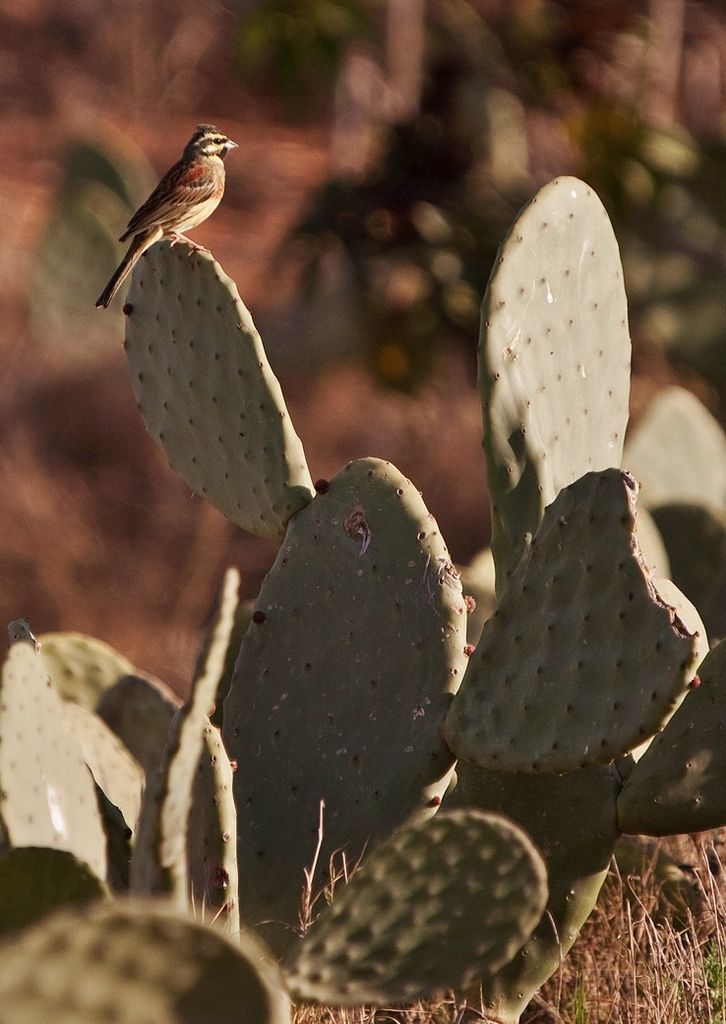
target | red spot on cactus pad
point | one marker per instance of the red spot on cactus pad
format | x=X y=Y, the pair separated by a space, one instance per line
x=469 y=650
x=695 y=682
x=435 y=801
x=127 y=309
x=233 y=766
x=470 y=603
x=321 y=486
x=258 y=617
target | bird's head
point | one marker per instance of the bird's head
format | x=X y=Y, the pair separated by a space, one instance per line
x=208 y=141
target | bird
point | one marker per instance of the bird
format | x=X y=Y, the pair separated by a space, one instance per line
x=186 y=195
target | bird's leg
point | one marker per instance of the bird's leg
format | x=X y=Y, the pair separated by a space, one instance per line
x=177 y=236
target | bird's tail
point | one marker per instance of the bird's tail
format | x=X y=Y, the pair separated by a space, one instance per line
x=138 y=246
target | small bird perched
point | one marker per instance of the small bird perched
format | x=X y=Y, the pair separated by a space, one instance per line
x=187 y=194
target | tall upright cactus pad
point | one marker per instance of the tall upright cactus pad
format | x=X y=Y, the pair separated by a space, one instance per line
x=36 y=880
x=554 y=360
x=432 y=908
x=678 y=784
x=140 y=711
x=571 y=819
x=47 y=796
x=82 y=667
x=582 y=660
x=159 y=863
x=129 y=963
x=678 y=452
x=207 y=393
x=342 y=681
x=233 y=620
x=212 y=836
x=115 y=770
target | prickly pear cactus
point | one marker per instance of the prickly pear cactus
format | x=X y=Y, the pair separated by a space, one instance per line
x=114 y=769
x=598 y=661
x=677 y=785
x=128 y=963
x=80 y=666
x=212 y=836
x=432 y=908
x=207 y=393
x=356 y=643
x=678 y=452
x=139 y=711
x=47 y=796
x=159 y=862
x=572 y=821
x=228 y=616
x=695 y=536
x=35 y=881
x=554 y=360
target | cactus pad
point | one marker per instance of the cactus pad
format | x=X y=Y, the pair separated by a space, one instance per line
x=582 y=660
x=131 y=963
x=34 y=881
x=139 y=711
x=114 y=769
x=207 y=393
x=677 y=785
x=678 y=452
x=159 y=862
x=229 y=617
x=433 y=907
x=571 y=820
x=212 y=836
x=47 y=796
x=554 y=360
x=341 y=685
x=695 y=537
x=80 y=666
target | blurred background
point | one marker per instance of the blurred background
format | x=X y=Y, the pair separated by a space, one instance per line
x=385 y=146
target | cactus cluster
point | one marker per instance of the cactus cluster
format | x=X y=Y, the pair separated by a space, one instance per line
x=386 y=791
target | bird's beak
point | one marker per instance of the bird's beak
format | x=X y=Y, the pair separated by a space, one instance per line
x=230 y=145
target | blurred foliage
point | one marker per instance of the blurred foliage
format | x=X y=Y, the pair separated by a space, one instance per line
x=297 y=49
x=509 y=101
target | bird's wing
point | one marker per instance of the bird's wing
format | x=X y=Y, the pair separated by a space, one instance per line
x=183 y=186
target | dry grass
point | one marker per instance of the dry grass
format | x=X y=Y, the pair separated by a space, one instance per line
x=643 y=957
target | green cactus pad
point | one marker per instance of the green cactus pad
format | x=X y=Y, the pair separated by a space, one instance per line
x=159 y=861
x=582 y=660
x=47 y=796
x=571 y=820
x=432 y=908
x=139 y=711
x=695 y=536
x=207 y=393
x=80 y=666
x=34 y=881
x=678 y=452
x=114 y=769
x=242 y=619
x=212 y=836
x=137 y=964
x=226 y=615
x=678 y=784
x=554 y=360
x=341 y=685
